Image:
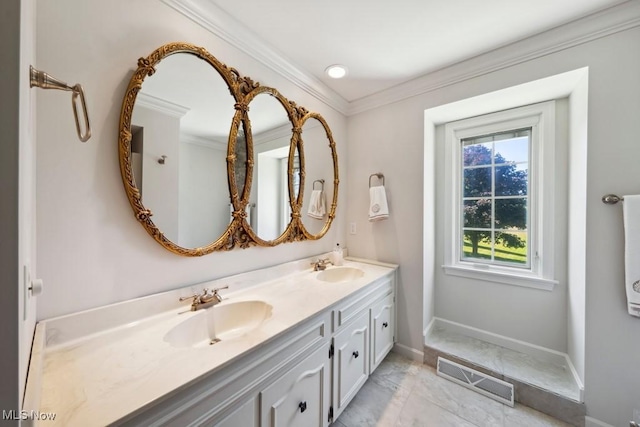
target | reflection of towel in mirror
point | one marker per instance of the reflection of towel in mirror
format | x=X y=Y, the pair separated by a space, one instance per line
x=316 y=205
x=378 y=208
x=631 y=215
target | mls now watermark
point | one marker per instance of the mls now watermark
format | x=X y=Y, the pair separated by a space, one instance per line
x=28 y=415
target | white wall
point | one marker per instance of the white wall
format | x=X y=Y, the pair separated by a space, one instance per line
x=577 y=227
x=390 y=139
x=91 y=249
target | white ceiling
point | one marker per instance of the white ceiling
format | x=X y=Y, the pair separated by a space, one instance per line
x=385 y=43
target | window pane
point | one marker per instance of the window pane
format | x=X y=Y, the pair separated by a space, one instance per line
x=476 y=154
x=511 y=213
x=512 y=247
x=477 y=213
x=512 y=149
x=511 y=180
x=477 y=182
x=476 y=245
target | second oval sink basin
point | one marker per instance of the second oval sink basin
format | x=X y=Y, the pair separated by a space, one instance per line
x=222 y=322
x=340 y=274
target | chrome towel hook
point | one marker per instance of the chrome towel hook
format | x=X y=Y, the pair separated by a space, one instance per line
x=45 y=81
x=379 y=175
x=611 y=199
x=321 y=181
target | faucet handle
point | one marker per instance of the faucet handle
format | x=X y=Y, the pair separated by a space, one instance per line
x=215 y=290
x=186 y=298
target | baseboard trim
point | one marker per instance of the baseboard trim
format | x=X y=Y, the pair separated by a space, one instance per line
x=429 y=327
x=592 y=422
x=576 y=377
x=408 y=352
x=547 y=354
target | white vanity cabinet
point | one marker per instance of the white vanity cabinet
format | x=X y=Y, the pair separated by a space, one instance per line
x=351 y=361
x=301 y=397
x=364 y=335
x=382 y=329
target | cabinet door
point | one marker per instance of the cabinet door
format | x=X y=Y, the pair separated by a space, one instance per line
x=351 y=361
x=301 y=397
x=382 y=330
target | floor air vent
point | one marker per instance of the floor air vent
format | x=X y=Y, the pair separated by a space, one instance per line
x=476 y=381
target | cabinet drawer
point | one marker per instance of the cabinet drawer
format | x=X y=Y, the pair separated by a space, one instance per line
x=352 y=308
x=300 y=398
x=382 y=329
x=351 y=361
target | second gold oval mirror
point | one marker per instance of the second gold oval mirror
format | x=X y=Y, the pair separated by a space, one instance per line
x=271 y=137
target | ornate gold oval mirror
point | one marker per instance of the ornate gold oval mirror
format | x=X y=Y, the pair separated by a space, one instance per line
x=318 y=194
x=211 y=160
x=270 y=117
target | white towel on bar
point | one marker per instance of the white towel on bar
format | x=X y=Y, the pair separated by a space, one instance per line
x=631 y=211
x=378 y=208
x=317 y=205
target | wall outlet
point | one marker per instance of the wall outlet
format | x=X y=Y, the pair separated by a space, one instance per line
x=352 y=228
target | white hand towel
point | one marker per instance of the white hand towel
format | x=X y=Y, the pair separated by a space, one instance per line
x=631 y=211
x=378 y=208
x=317 y=205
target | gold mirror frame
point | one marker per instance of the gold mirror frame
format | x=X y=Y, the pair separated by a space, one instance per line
x=297 y=219
x=243 y=89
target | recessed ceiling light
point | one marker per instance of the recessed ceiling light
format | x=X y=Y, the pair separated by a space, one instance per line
x=336 y=71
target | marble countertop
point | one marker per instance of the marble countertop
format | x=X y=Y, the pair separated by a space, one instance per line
x=95 y=367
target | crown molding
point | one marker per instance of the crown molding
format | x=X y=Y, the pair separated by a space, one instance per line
x=592 y=27
x=217 y=21
x=161 y=105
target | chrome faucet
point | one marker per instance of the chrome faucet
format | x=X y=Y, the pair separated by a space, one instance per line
x=321 y=264
x=206 y=299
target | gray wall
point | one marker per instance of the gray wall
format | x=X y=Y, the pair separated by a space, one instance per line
x=9 y=149
x=390 y=139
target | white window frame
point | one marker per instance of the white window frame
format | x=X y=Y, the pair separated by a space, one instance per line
x=541 y=119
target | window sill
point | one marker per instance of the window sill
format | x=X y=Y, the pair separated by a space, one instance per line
x=507 y=278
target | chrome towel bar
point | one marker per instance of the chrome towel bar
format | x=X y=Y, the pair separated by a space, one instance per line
x=45 y=81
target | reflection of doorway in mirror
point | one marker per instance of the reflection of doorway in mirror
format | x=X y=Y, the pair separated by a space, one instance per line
x=272 y=207
x=137 y=149
x=284 y=199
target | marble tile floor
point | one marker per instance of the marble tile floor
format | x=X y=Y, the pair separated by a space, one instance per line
x=403 y=393
x=507 y=362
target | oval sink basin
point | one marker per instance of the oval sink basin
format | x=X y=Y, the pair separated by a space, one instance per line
x=340 y=274
x=219 y=323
